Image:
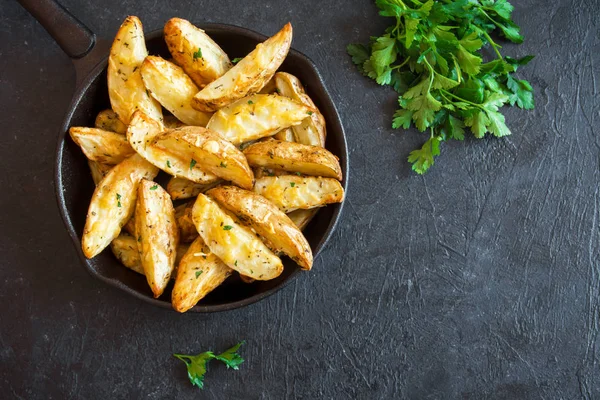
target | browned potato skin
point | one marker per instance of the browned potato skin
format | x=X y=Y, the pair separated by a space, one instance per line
x=246 y=279
x=294 y=157
x=157 y=233
x=278 y=232
x=98 y=170
x=108 y=120
x=181 y=188
x=247 y=78
x=285 y=135
x=301 y=218
x=180 y=38
x=199 y=273
x=102 y=146
x=183 y=216
x=212 y=153
x=312 y=131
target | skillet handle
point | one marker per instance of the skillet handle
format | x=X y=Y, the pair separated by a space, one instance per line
x=70 y=34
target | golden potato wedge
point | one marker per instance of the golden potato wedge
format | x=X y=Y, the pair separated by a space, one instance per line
x=172 y=88
x=248 y=76
x=157 y=234
x=129 y=226
x=171 y=122
x=291 y=192
x=181 y=188
x=259 y=172
x=98 y=170
x=183 y=216
x=312 y=130
x=301 y=218
x=113 y=203
x=236 y=245
x=257 y=116
x=198 y=274
x=286 y=135
x=108 y=120
x=275 y=228
x=126 y=90
x=142 y=131
x=102 y=146
x=206 y=150
x=201 y=58
x=125 y=248
x=246 y=279
x=294 y=157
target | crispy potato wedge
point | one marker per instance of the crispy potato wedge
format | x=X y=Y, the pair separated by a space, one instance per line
x=171 y=122
x=125 y=248
x=206 y=150
x=198 y=274
x=236 y=245
x=259 y=172
x=129 y=227
x=286 y=135
x=98 y=170
x=301 y=218
x=113 y=203
x=108 y=120
x=275 y=228
x=294 y=157
x=249 y=75
x=257 y=116
x=269 y=88
x=157 y=234
x=192 y=49
x=126 y=90
x=311 y=131
x=142 y=131
x=172 y=88
x=183 y=216
x=181 y=188
x=103 y=146
x=291 y=192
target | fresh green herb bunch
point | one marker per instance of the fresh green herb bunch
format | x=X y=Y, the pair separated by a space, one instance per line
x=432 y=57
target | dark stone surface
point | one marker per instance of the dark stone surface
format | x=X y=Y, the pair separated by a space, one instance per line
x=480 y=280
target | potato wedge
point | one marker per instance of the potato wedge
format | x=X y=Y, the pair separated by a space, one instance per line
x=249 y=75
x=246 y=279
x=236 y=245
x=157 y=234
x=113 y=203
x=108 y=120
x=205 y=150
x=183 y=216
x=275 y=228
x=257 y=116
x=294 y=157
x=269 y=88
x=311 y=131
x=129 y=227
x=259 y=172
x=171 y=122
x=181 y=188
x=198 y=274
x=98 y=170
x=126 y=90
x=291 y=192
x=125 y=248
x=301 y=218
x=201 y=58
x=286 y=135
x=172 y=88
x=102 y=146
x=142 y=131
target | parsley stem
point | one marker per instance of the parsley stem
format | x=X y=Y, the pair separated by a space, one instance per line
x=493 y=44
x=401 y=65
x=461 y=99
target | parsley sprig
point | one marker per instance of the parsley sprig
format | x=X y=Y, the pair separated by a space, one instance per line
x=432 y=57
x=197 y=365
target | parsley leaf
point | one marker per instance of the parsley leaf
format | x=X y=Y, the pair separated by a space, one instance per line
x=154 y=187
x=432 y=56
x=227 y=227
x=198 y=54
x=197 y=365
x=237 y=60
x=192 y=163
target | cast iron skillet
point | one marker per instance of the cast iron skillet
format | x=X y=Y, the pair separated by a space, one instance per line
x=74 y=185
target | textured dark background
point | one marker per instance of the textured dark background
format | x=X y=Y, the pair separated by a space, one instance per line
x=480 y=280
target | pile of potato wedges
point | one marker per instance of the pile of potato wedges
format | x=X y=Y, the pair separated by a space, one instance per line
x=244 y=146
